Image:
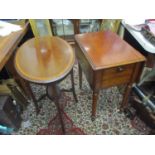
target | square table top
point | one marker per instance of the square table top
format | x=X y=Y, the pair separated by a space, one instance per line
x=106 y=49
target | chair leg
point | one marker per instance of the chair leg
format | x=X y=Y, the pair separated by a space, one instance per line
x=73 y=87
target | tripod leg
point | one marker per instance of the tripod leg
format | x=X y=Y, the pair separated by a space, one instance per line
x=73 y=87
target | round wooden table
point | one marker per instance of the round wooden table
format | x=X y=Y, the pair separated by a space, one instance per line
x=46 y=60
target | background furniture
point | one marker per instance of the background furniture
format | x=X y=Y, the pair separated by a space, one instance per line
x=113 y=25
x=8 y=46
x=107 y=61
x=143 y=43
x=46 y=60
x=8 y=112
x=110 y=24
x=144 y=92
x=67 y=28
x=9 y=87
x=9 y=43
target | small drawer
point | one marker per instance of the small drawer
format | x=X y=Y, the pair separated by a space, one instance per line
x=117 y=71
x=117 y=75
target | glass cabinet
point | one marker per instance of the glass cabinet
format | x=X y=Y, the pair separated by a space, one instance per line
x=67 y=28
x=63 y=28
x=88 y=25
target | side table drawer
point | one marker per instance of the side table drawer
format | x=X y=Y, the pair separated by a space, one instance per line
x=117 y=75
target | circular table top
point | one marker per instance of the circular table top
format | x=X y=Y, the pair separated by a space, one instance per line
x=44 y=59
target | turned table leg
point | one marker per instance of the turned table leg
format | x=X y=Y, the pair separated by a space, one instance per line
x=73 y=87
x=94 y=104
x=124 y=103
x=80 y=76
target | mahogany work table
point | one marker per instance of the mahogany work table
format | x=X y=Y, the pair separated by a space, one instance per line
x=107 y=61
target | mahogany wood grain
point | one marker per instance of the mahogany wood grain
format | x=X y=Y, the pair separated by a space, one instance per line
x=107 y=61
x=44 y=59
x=107 y=49
x=86 y=67
x=125 y=70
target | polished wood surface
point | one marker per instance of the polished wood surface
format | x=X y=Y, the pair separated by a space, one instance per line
x=9 y=43
x=107 y=49
x=44 y=59
x=107 y=61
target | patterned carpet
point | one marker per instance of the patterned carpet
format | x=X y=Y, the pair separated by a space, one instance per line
x=54 y=127
x=109 y=120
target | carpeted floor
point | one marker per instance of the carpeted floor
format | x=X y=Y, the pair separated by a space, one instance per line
x=109 y=120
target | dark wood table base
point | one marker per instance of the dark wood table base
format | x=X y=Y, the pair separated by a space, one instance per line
x=53 y=92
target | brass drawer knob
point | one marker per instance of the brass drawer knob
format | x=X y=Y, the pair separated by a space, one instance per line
x=120 y=69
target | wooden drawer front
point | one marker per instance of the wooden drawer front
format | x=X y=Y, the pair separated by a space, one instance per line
x=117 y=75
